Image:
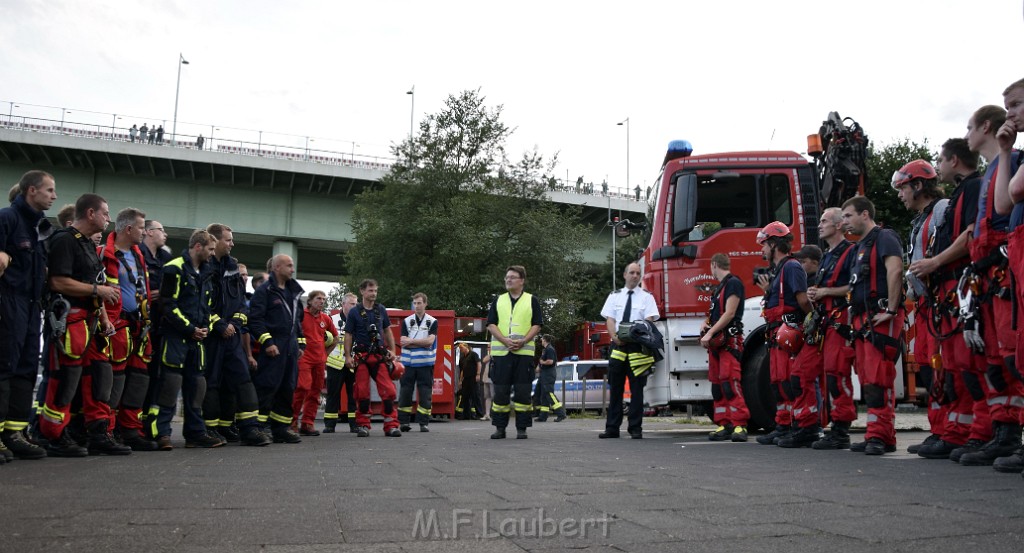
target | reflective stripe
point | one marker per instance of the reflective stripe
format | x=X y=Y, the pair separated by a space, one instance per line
x=719 y=409
x=497 y=408
x=422 y=411
x=280 y=418
x=544 y=409
x=555 y=404
x=872 y=417
x=330 y=416
x=241 y=317
x=14 y=426
x=212 y=423
x=246 y=415
x=55 y=417
x=514 y=323
x=997 y=400
x=522 y=407
x=263 y=337
x=261 y=418
x=405 y=409
x=223 y=422
x=302 y=341
x=352 y=416
x=961 y=418
x=935 y=406
x=413 y=356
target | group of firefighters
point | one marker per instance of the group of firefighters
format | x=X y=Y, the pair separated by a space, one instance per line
x=964 y=275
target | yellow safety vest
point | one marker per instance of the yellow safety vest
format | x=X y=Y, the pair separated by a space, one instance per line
x=514 y=323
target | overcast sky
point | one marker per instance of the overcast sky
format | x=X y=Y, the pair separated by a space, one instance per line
x=726 y=75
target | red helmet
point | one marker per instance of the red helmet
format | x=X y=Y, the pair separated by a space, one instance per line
x=396 y=369
x=917 y=169
x=774 y=228
x=790 y=338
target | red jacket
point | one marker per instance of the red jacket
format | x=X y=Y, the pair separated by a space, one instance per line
x=112 y=267
x=315 y=328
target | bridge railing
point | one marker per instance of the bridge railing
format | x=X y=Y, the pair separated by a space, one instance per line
x=260 y=148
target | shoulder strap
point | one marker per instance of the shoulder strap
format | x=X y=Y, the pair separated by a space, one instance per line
x=837 y=262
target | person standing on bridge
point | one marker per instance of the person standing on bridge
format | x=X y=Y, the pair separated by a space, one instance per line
x=628 y=360
x=133 y=131
x=419 y=354
x=23 y=231
x=514 y=320
x=275 y=319
x=143 y=133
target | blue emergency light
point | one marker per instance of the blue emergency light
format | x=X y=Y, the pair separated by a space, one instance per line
x=677 y=149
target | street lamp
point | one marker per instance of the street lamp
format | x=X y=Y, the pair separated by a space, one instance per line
x=10 y=114
x=412 y=110
x=113 y=123
x=308 y=140
x=626 y=122
x=354 y=151
x=63 y=112
x=177 y=89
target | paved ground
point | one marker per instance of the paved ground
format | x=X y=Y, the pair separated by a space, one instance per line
x=673 y=491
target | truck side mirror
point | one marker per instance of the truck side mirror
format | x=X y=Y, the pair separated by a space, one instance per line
x=684 y=210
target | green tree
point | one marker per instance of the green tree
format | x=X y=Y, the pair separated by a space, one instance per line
x=456 y=211
x=882 y=163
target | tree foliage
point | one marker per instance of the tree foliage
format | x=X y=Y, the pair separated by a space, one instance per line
x=882 y=163
x=456 y=211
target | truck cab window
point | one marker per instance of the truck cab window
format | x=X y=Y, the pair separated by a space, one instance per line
x=740 y=201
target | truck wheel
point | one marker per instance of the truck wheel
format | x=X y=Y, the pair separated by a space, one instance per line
x=757 y=387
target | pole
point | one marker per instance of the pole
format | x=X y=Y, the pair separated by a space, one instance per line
x=626 y=123
x=412 y=111
x=112 y=123
x=177 y=90
x=63 y=112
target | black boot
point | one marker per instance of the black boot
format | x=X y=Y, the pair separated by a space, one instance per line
x=65 y=446
x=970 y=447
x=939 y=450
x=20 y=447
x=837 y=438
x=230 y=433
x=803 y=437
x=6 y=455
x=769 y=438
x=137 y=441
x=101 y=442
x=1011 y=463
x=252 y=436
x=1005 y=441
x=930 y=440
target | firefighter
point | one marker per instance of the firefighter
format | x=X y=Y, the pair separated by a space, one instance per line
x=318 y=328
x=275 y=319
x=785 y=287
x=722 y=336
x=128 y=350
x=832 y=328
x=419 y=352
x=989 y=328
x=951 y=407
x=231 y=402
x=1009 y=198
x=545 y=382
x=340 y=375
x=156 y=254
x=916 y=185
x=76 y=275
x=369 y=346
x=628 y=360
x=23 y=231
x=186 y=323
x=877 y=314
x=513 y=327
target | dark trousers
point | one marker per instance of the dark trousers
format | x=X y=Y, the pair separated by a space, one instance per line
x=19 y=359
x=549 y=402
x=510 y=372
x=333 y=409
x=226 y=377
x=420 y=380
x=618 y=372
x=468 y=401
x=275 y=383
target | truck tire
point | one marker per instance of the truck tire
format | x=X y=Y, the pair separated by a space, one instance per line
x=757 y=386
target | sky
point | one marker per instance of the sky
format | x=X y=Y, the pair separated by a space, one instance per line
x=735 y=75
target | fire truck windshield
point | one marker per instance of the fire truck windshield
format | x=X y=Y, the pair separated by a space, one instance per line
x=740 y=201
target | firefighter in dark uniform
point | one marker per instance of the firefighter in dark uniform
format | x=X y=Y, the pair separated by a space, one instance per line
x=340 y=375
x=23 y=230
x=514 y=320
x=186 y=323
x=275 y=320
x=155 y=256
x=228 y=385
x=877 y=314
x=76 y=274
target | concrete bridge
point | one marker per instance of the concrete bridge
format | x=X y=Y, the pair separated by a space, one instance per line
x=276 y=202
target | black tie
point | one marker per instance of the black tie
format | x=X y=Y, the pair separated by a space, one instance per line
x=627 y=313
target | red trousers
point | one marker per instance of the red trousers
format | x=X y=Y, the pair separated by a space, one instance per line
x=807 y=367
x=68 y=360
x=306 y=399
x=876 y=366
x=781 y=364
x=373 y=366
x=1004 y=391
x=1015 y=247
x=725 y=372
x=838 y=362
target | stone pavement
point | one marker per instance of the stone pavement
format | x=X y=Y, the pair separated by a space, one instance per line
x=563 y=489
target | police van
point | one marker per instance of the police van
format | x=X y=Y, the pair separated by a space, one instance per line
x=573 y=376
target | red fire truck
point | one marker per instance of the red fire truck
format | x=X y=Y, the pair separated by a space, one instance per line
x=714 y=203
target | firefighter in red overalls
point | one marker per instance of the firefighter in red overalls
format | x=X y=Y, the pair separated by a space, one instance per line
x=128 y=350
x=877 y=314
x=316 y=327
x=785 y=304
x=722 y=335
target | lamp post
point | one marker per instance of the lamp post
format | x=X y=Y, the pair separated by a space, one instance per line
x=10 y=114
x=620 y=123
x=113 y=123
x=177 y=89
x=354 y=151
x=412 y=110
x=63 y=113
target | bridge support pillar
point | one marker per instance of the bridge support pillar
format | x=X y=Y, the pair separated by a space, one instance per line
x=289 y=248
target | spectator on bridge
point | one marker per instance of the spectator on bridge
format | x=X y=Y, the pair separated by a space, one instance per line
x=160 y=134
x=132 y=131
x=648 y=192
x=152 y=136
x=637 y=192
x=579 y=183
x=604 y=188
x=199 y=142
x=143 y=133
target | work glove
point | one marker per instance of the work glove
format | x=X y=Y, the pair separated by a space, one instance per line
x=972 y=334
